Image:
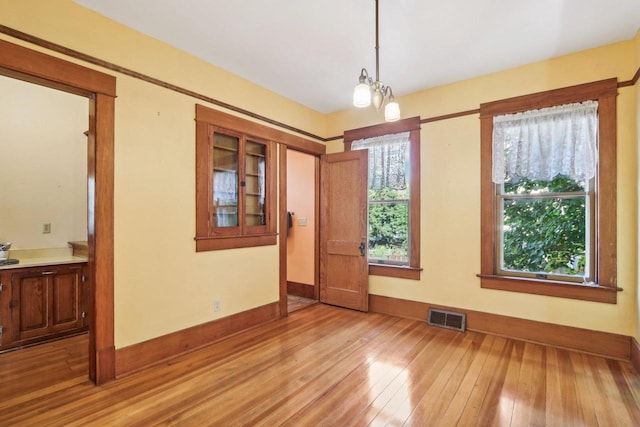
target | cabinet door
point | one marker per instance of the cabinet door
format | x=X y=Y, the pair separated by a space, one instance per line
x=30 y=304
x=225 y=156
x=255 y=188
x=5 y=311
x=66 y=311
x=44 y=302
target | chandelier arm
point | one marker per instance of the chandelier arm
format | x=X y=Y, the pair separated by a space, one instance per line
x=376 y=93
x=364 y=76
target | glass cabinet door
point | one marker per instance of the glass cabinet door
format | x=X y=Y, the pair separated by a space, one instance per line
x=225 y=180
x=255 y=191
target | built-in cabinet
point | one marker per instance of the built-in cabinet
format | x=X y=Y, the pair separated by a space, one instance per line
x=235 y=183
x=42 y=303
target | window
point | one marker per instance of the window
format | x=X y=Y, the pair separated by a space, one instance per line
x=388 y=197
x=235 y=184
x=394 y=196
x=548 y=193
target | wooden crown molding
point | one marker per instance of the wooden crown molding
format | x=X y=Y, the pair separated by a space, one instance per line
x=131 y=73
x=117 y=68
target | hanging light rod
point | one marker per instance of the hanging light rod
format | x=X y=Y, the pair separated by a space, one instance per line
x=368 y=91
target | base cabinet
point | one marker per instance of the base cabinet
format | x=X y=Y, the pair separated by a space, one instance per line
x=42 y=303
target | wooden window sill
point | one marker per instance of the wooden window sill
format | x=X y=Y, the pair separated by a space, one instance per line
x=216 y=243
x=399 y=271
x=598 y=293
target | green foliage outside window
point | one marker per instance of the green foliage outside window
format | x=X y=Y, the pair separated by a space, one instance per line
x=544 y=235
x=388 y=225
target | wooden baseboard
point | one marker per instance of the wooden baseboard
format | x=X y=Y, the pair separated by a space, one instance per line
x=300 y=289
x=584 y=340
x=635 y=354
x=138 y=356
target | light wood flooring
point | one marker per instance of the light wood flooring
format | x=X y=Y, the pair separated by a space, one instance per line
x=295 y=303
x=330 y=367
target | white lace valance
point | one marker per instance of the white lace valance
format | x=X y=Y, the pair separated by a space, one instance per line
x=540 y=144
x=388 y=163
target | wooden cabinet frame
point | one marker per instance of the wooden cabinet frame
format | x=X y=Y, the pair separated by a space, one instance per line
x=45 y=303
x=209 y=236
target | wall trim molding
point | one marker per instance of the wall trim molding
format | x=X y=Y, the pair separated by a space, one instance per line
x=147 y=353
x=131 y=73
x=635 y=355
x=613 y=346
x=303 y=290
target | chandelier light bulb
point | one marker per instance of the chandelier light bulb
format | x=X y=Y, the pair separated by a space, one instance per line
x=392 y=111
x=362 y=95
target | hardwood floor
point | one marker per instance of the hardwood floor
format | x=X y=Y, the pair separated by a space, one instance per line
x=331 y=367
x=295 y=302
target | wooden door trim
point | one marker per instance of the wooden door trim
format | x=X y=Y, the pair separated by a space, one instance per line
x=282 y=220
x=36 y=67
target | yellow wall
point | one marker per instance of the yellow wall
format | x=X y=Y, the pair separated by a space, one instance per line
x=43 y=165
x=450 y=199
x=161 y=284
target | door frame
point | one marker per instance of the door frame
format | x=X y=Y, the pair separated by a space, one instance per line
x=282 y=201
x=35 y=67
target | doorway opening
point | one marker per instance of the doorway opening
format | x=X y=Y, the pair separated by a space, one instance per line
x=43 y=168
x=35 y=67
x=300 y=229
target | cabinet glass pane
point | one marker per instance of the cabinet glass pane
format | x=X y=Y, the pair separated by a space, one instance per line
x=255 y=183
x=225 y=180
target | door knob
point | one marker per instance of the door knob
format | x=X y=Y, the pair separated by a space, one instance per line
x=361 y=249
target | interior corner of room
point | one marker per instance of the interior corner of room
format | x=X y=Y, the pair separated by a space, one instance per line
x=122 y=246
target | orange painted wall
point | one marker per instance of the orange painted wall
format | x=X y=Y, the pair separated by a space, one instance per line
x=301 y=200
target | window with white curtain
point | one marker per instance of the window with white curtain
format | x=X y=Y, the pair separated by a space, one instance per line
x=394 y=195
x=389 y=197
x=548 y=193
x=544 y=162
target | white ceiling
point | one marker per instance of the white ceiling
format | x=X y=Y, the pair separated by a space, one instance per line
x=312 y=51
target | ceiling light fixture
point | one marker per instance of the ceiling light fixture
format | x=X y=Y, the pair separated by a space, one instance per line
x=368 y=91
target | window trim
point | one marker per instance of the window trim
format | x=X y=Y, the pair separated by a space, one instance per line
x=605 y=289
x=207 y=122
x=411 y=125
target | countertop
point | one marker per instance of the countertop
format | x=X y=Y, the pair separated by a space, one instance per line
x=42 y=257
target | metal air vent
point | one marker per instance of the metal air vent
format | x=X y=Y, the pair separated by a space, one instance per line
x=447 y=319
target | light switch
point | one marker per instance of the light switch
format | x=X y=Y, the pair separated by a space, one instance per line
x=302 y=222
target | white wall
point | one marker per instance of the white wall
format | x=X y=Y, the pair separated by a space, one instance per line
x=43 y=165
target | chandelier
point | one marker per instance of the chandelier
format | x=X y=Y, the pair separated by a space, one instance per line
x=368 y=91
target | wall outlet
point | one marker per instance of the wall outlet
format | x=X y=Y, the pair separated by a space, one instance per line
x=46 y=228
x=216 y=305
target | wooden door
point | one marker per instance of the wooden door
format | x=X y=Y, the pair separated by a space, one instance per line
x=344 y=277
